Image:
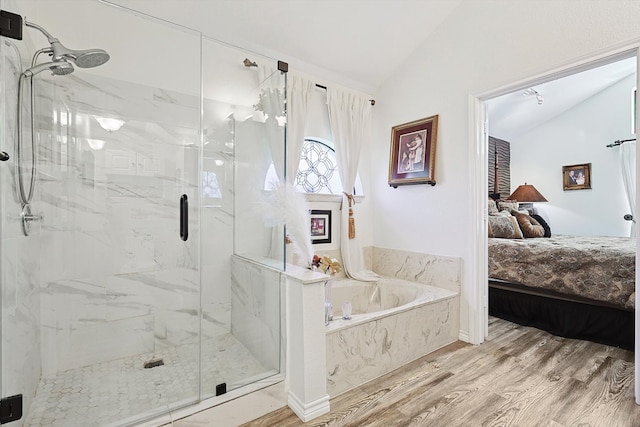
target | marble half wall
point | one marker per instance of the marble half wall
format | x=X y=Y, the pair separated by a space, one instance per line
x=255 y=309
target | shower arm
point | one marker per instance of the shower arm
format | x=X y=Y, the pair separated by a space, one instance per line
x=42 y=30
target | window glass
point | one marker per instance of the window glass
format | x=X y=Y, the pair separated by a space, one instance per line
x=317 y=172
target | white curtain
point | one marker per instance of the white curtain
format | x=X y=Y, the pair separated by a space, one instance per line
x=628 y=163
x=299 y=92
x=350 y=120
x=271 y=103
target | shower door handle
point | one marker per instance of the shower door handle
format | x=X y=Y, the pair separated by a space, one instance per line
x=184 y=217
x=3 y=156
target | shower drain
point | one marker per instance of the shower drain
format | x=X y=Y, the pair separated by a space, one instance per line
x=153 y=363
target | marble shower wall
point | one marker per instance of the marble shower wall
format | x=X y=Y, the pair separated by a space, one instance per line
x=116 y=280
x=255 y=309
x=114 y=272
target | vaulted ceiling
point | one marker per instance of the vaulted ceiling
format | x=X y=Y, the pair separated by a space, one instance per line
x=360 y=42
x=515 y=114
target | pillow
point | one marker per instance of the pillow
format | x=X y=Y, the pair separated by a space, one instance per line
x=529 y=226
x=504 y=226
x=493 y=209
x=543 y=223
x=507 y=205
x=515 y=212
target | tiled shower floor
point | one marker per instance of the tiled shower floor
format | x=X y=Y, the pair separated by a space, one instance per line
x=105 y=393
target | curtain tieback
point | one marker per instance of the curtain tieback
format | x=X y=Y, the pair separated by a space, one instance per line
x=352 y=221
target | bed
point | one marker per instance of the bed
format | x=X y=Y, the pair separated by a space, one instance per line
x=572 y=286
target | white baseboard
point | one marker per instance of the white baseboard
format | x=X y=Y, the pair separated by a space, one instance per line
x=307 y=412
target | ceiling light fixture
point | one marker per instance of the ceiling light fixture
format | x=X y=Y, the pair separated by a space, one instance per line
x=531 y=91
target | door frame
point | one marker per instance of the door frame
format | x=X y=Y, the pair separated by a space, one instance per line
x=478 y=183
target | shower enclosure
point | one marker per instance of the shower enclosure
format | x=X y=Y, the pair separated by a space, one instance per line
x=125 y=299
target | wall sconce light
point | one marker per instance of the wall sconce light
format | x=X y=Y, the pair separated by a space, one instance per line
x=96 y=144
x=110 y=124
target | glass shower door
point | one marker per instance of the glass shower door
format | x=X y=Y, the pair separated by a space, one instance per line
x=101 y=302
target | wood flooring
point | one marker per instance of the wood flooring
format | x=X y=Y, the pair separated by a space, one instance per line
x=519 y=377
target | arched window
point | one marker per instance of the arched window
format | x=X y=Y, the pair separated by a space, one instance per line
x=317 y=172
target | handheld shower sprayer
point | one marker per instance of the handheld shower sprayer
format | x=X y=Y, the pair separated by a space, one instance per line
x=62 y=61
x=58 y=68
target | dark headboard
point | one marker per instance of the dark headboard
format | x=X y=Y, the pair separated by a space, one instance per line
x=504 y=172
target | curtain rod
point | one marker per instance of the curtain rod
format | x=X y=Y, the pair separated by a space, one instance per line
x=619 y=142
x=372 y=101
x=249 y=63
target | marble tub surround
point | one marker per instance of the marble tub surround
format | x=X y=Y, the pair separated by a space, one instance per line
x=435 y=270
x=386 y=297
x=390 y=328
x=373 y=344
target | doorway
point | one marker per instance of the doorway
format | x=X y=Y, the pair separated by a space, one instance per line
x=479 y=130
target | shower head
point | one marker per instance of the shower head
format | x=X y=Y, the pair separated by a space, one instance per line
x=58 y=68
x=82 y=58
x=88 y=58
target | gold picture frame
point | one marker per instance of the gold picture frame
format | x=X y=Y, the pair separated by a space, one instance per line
x=412 y=156
x=576 y=177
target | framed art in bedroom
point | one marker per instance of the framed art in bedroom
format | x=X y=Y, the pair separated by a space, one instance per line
x=576 y=177
x=412 y=157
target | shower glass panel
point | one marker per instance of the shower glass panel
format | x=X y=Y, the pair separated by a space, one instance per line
x=259 y=135
x=101 y=301
x=240 y=299
x=149 y=278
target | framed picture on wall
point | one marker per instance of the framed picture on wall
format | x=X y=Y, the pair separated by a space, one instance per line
x=576 y=177
x=413 y=152
x=320 y=226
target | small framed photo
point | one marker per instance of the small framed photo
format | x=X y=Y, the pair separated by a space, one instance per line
x=412 y=157
x=576 y=177
x=320 y=226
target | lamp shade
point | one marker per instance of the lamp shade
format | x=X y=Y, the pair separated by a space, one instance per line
x=527 y=193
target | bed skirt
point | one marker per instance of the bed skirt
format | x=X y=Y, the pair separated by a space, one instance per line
x=564 y=317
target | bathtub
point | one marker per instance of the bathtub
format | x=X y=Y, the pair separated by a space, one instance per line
x=393 y=322
x=374 y=300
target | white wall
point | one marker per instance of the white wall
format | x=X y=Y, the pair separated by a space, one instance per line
x=577 y=136
x=484 y=45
